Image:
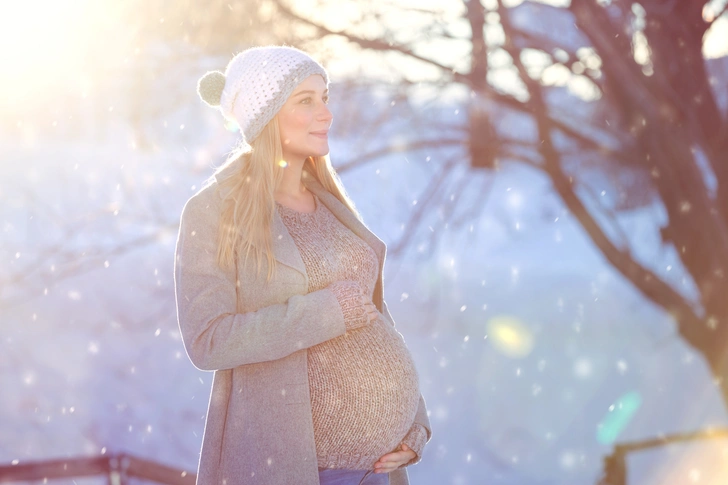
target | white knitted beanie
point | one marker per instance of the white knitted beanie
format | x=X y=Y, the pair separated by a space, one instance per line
x=256 y=84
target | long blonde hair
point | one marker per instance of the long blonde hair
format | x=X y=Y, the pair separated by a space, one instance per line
x=247 y=212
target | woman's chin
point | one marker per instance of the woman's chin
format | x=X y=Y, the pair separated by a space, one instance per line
x=310 y=153
x=321 y=153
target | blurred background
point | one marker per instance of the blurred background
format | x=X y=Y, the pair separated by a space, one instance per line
x=550 y=177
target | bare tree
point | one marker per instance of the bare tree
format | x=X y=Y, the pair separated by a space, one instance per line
x=654 y=121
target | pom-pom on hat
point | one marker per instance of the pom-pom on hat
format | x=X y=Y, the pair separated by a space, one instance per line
x=256 y=84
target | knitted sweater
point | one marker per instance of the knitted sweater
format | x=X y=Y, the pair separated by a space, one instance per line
x=364 y=386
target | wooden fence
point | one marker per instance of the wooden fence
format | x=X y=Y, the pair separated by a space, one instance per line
x=117 y=468
x=615 y=465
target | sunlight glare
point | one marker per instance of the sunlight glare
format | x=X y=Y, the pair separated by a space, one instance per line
x=41 y=43
x=715 y=40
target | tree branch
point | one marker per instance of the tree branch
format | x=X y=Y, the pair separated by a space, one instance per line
x=645 y=280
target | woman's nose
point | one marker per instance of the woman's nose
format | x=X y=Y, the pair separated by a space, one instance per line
x=325 y=113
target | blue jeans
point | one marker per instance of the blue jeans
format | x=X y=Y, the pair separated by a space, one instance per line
x=335 y=476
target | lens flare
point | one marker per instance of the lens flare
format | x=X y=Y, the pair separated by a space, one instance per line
x=618 y=417
x=231 y=126
x=510 y=336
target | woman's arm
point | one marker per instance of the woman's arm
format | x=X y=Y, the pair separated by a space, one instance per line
x=416 y=438
x=419 y=433
x=214 y=335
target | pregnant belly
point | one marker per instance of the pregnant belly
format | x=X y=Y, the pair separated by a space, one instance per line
x=364 y=391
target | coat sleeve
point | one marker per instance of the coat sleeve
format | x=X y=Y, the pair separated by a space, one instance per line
x=214 y=335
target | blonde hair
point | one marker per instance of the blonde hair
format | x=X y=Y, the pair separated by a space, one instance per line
x=247 y=212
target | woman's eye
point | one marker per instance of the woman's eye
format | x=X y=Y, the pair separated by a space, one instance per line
x=308 y=100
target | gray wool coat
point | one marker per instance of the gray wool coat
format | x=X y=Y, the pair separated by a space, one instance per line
x=255 y=337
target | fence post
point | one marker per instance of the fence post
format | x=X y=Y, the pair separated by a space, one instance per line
x=113 y=470
x=615 y=469
x=118 y=466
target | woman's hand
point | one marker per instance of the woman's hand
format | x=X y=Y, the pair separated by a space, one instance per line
x=391 y=461
x=371 y=309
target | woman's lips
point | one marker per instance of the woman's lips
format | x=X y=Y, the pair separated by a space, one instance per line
x=322 y=135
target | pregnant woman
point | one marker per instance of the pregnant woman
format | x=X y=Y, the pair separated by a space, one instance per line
x=279 y=292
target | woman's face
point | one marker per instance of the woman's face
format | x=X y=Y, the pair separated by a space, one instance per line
x=304 y=120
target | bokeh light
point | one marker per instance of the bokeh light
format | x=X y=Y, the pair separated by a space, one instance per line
x=618 y=417
x=509 y=336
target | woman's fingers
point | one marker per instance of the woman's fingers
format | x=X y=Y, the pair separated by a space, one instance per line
x=373 y=312
x=392 y=461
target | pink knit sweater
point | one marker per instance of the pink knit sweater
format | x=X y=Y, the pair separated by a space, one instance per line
x=364 y=385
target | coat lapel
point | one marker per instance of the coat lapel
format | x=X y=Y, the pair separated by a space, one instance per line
x=284 y=247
